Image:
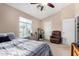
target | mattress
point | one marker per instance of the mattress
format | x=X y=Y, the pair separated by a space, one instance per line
x=24 y=47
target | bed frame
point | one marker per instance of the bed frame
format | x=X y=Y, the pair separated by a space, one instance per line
x=74 y=49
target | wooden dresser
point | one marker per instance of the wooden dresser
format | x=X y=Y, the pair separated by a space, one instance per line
x=74 y=50
x=55 y=37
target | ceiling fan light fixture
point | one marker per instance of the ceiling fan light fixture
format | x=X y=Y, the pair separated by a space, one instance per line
x=42 y=5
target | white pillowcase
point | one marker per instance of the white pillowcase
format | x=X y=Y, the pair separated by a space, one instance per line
x=3 y=34
x=10 y=34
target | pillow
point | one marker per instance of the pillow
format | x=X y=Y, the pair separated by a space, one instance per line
x=4 y=39
x=3 y=34
x=11 y=35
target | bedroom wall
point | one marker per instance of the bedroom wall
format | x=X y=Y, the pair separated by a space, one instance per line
x=9 y=19
x=68 y=11
x=51 y=23
x=76 y=9
x=57 y=18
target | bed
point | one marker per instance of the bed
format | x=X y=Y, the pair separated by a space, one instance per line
x=24 y=47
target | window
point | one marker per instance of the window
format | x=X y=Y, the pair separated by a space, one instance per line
x=25 y=27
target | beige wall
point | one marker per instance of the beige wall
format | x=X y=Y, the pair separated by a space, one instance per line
x=68 y=11
x=76 y=9
x=57 y=18
x=9 y=19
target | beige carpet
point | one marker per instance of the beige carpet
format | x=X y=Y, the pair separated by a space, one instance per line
x=59 y=49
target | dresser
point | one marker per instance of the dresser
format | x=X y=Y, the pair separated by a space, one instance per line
x=55 y=37
x=74 y=49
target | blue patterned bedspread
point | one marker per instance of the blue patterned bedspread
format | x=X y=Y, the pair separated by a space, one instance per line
x=24 y=47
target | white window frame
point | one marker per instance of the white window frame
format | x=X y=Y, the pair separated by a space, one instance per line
x=27 y=21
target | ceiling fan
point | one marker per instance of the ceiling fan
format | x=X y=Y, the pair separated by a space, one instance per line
x=41 y=6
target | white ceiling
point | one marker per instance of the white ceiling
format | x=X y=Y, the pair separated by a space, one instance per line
x=33 y=11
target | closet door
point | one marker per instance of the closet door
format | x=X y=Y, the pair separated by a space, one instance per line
x=68 y=31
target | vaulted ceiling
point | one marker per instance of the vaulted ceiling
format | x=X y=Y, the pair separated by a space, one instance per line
x=35 y=12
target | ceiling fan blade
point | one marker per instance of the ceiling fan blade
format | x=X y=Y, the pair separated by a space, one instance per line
x=33 y=3
x=51 y=5
x=42 y=7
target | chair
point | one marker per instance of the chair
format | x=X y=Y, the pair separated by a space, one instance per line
x=55 y=37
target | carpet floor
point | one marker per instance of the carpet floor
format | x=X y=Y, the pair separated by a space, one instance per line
x=59 y=49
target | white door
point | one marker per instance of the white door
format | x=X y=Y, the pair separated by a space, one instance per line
x=48 y=29
x=68 y=31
